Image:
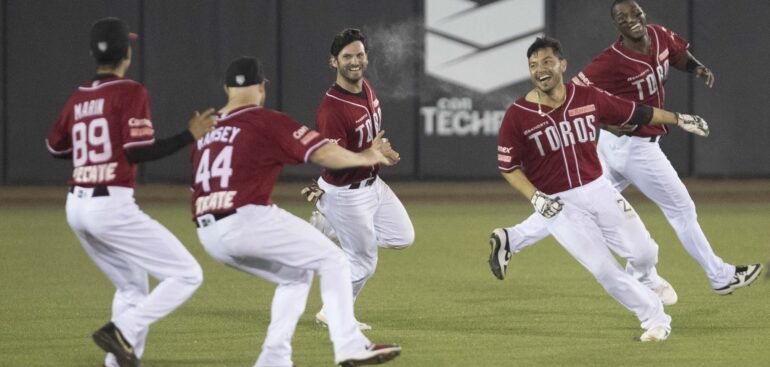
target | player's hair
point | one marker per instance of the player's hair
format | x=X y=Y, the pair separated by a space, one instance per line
x=346 y=37
x=616 y=2
x=108 y=63
x=545 y=42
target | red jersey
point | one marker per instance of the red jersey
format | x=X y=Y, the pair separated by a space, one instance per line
x=100 y=120
x=557 y=151
x=238 y=163
x=351 y=121
x=634 y=76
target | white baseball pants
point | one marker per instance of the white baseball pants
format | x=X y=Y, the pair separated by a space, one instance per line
x=127 y=245
x=273 y=244
x=363 y=219
x=593 y=213
x=633 y=160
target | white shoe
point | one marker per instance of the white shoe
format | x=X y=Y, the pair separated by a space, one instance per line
x=321 y=319
x=500 y=253
x=744 y=276
x=318 y=220
x=666 y=293
x=373 y=354
x=656 y=334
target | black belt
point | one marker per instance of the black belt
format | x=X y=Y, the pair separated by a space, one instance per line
x=204 y=221
x=654 y=139
x=367 y=182
x=99 y=190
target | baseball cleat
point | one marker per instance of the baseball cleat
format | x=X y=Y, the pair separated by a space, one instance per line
x=666 y=293
x=111 y=340
x=744 y=276
x=655 y=334
x=374 y=354
x=321 y=319
x=501 y=252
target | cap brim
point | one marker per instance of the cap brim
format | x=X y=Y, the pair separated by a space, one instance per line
x=132 y=36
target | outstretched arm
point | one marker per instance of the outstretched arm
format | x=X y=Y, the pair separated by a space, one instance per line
x=335 y=157
x=198 y=126
x=646 y=115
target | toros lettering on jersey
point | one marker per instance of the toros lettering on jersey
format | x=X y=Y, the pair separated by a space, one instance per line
x=648 y=84
x=564 y=134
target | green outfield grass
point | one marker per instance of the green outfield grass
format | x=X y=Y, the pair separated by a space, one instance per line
x=438 y=298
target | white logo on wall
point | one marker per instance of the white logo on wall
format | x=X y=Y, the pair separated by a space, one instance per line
x=481 y=45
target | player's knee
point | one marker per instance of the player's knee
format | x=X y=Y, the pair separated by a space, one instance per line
x=683 y=212
x=362 y=270
x=193 y=276
x=334 y=260
x=400 y=242
x=605 y=272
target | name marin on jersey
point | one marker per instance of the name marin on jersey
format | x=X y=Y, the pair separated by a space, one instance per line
x=89 y=108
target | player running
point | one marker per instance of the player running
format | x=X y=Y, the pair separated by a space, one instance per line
x=235 y=169
x=358 y=208
x=106 y=128
x=547 y=152
x=636 y=68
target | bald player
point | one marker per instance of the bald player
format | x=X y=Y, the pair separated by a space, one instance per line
x=358 y=207
x=635 y=68
x=106 y=129
x=235 y=169
x=547 y=152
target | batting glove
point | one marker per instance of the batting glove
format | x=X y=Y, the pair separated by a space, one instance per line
x=692 y=124
x=312 y=193
x=546 y=205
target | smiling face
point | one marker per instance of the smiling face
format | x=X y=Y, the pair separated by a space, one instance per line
x=546 y=69
x=351 y=62
x=629 y=19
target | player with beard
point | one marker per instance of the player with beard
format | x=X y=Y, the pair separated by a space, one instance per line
x=358 y=207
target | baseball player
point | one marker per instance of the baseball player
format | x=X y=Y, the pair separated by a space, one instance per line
x=636 y=68
x=355 y=205
x=547 y=152
x=235 y=168
x=106 y=128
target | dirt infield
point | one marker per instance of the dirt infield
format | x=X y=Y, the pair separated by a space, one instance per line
x=476 y=191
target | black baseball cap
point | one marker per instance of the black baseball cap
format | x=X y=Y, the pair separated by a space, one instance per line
x=110 y=39
x=244 y=71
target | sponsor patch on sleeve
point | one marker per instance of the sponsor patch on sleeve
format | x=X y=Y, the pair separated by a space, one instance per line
x=504 y=158
x=309 y=137
x=140 y=127
x=581 y=110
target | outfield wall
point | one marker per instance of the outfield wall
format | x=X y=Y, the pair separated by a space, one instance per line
x=430 y=63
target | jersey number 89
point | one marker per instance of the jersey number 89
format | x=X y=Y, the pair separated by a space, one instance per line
x=95 y=135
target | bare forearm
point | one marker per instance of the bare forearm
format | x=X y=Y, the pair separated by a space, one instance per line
x=662 y=117
x=519 y=181
x=333 y=156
